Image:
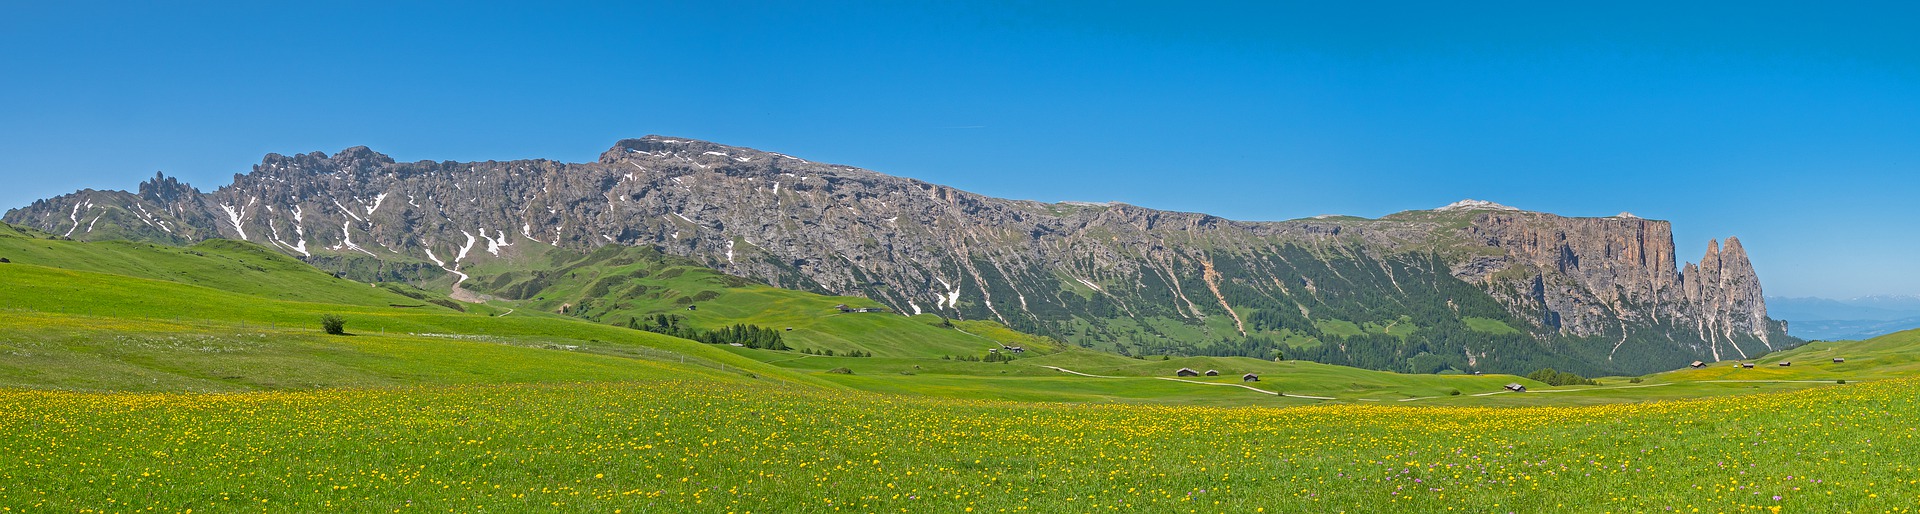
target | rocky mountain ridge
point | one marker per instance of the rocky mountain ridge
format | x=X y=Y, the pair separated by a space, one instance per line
x=1593 y=294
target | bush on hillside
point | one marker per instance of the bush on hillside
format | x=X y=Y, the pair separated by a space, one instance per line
x=333 y=324
x=842 y=371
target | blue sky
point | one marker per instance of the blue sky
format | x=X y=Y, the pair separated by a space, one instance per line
x=1794 y=127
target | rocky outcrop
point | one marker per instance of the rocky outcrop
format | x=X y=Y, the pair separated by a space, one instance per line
x=1099 y=274
x=1587 y=276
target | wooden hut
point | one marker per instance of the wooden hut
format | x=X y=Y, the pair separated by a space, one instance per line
x=1249 y=378
x=1186 y=372
x=1785 y=363
x=1698 y=364
x=1213 y=373
x=1516 y=387
x=1837 y=360
x=1748 y=365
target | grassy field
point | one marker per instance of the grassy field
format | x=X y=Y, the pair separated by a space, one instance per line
x=733 y=445
x=151 y=378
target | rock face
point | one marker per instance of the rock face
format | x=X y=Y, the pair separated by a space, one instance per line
x=1591 y=294
x=1594 y=273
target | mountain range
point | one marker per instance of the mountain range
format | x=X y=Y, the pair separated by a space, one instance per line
x=1468 y=287
x=1851 y=319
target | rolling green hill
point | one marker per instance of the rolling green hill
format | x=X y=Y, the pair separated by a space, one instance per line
x=237 y=295
x=108 y=352
x=617 y=284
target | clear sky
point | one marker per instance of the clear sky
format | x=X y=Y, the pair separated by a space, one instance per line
x=1794 y=127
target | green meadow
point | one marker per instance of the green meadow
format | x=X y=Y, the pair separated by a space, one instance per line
x=139 y=377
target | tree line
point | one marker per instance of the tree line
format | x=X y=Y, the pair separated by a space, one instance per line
x=751 y=336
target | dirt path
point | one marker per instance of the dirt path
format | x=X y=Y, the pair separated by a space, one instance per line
x=1247 y=387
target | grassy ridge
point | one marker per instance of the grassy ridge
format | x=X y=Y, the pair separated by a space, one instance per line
x=232 y=266
x=52 y=305
x=615 y=284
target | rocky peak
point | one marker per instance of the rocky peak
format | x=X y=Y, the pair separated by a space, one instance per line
x=920 y=247
x=163 y=189
x=353 y=158
x=656 y=147
x=361 y=155
x=1476 y=205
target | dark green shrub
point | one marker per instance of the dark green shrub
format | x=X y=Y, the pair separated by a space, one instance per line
x=333 y=324
x=842 y=371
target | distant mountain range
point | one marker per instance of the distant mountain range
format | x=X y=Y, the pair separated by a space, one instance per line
x=1858 y=318
x=1470 y=286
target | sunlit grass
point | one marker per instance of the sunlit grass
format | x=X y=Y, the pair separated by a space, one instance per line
x=725 y=446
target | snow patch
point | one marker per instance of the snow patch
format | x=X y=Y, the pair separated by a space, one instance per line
x=436 y=260
x=949 y=300
x=343 y=208
x=465 y=247
x=235 y=218
x=1088 y=283
x=729 y=250
x=916 y=307
x=75 y=216
x=346 y=229
x=494 y=243
x=1626 y=215
x=376 y=203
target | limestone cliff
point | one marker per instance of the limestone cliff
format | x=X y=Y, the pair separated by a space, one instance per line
x=1112 y=275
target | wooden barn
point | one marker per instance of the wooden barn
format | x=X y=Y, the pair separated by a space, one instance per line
x=1213 y=373
x=1698 y=364
x=1516 y=387
x=1838 y=360
x=1186 y=372
x=1250 y=378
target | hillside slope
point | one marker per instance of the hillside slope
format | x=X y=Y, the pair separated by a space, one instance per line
x=1415 y=291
